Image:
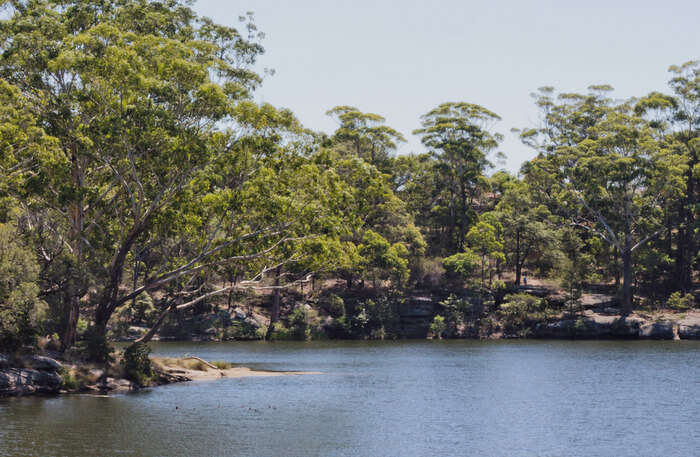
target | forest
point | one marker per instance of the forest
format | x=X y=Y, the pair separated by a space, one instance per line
x=141 y=186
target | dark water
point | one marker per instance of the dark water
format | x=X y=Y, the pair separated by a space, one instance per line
x=451 y=398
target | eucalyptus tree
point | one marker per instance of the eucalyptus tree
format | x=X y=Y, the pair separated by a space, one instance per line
x=380 y=235
x=459 y=136
x=528 y=229
x=366 y=135
x=602 y=168
x=148 y=104
x=677 y=119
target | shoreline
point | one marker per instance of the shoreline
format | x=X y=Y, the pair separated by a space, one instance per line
x=41 y=375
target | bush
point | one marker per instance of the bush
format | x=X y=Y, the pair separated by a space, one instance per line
x=438 y=326
x=68 y=379
x=428 y=272
x=241 y=330
x=334 y=305
x=137 y=364
x=520 y=311
x=680 y=303
x=456 y=311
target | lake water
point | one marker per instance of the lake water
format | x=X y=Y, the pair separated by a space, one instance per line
x=408 y=398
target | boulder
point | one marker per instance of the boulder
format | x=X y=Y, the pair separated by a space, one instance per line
x=4 y=361
x=21 y=381
x=41 y=363
x=239 y=314
x=657 y=331
x=211 y=331
x=112 y=384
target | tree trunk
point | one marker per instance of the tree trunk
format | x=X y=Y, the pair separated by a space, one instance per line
x=108 y=302
x=627 y=279
x=77 y=216
x=275 y=314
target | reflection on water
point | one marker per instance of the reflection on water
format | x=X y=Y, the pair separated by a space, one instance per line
x=499 y=398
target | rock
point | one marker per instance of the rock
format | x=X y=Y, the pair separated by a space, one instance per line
x=113 y=384
x=657 y=331
x=239 y=314
x=626 y=327
x=211 y=331
x=4 y=361
x=41 y=363
x=21 y=381
x=610 y=311
x=590 y=326
x=96 y=374
x=689 y=328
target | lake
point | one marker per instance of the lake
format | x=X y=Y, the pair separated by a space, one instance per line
x=406 y=398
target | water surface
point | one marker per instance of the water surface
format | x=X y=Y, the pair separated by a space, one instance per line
x=409 y=398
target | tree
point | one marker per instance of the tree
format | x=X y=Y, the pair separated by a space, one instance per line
x=483 y=241
x=527 y=228
x=365 y=134
x=677 y=118
x=458 y=135
x=603 y=167
x=167 y=160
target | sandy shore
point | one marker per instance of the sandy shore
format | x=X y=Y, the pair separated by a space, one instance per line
x=205 y=373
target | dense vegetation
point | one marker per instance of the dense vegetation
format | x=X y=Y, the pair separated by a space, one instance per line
x=138 y=179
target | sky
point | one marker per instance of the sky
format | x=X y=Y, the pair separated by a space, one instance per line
x=400 y=59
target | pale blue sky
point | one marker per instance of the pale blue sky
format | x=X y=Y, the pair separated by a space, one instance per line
x=402 y=58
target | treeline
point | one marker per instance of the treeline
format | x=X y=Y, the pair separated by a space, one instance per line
x=134 y=166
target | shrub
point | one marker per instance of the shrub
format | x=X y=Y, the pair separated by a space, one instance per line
x=519 y=311
x=137 y=364
x=456 y=312
x=438 y=326
x=680 y=302
x=68 y=379
x=334 y=305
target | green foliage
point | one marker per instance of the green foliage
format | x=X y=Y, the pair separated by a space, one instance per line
x=458 y=135
x=680 y=302
x=334 y=305
x=519 y=312
x=144 y=309
x=68 y=379
x=21 y=310
x=438 y=326
x=462 y=265
x=458 y=313
x=95 y=347
x=137 y=364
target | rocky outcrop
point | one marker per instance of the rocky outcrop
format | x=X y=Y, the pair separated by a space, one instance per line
x=23 y=381
x=657 y=331
x=602 y=326
x=689 y=328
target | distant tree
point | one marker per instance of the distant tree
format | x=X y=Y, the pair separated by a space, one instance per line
x=365 y=134
x=603 y=167
x=458 y=134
